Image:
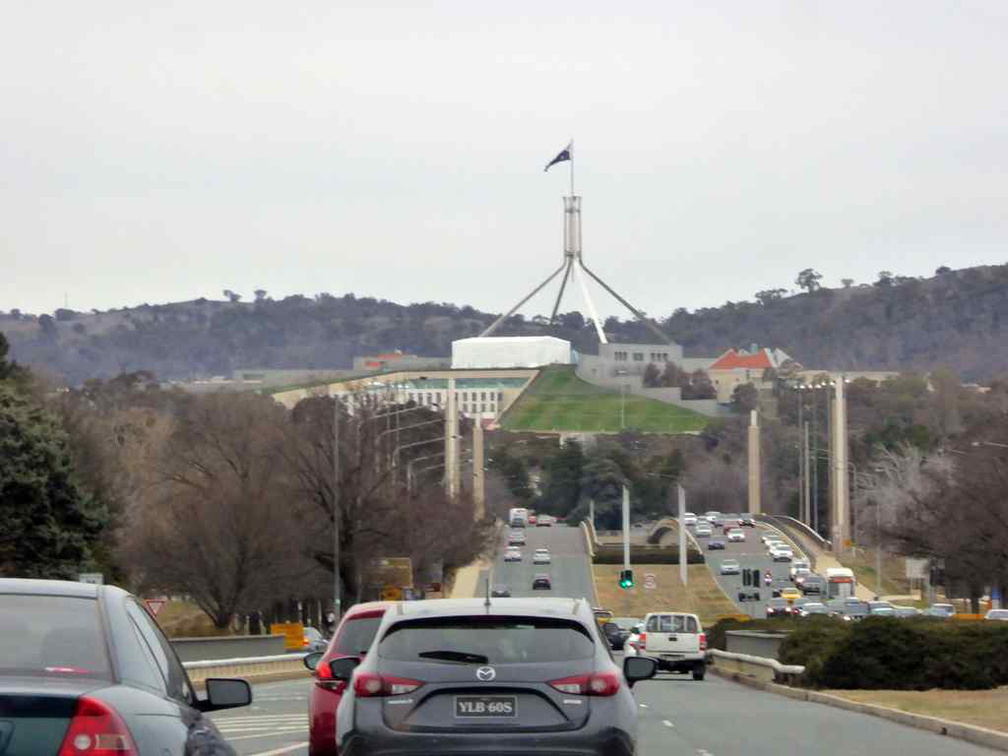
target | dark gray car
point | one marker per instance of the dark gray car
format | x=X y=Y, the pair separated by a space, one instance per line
x=530 y=676
x=86 y=665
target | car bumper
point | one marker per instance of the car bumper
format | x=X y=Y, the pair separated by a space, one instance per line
x=581 y=743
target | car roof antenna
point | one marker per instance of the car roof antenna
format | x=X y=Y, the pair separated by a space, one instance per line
x=486 y=601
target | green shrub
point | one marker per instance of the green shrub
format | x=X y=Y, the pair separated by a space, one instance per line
x=613 y=554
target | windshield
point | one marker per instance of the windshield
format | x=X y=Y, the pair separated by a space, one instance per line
x=486 y=640
x=52 y=636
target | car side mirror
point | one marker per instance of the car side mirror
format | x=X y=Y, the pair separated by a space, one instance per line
x=225 y=694
x=342 y=669
x=311 y=660
x=636 y=668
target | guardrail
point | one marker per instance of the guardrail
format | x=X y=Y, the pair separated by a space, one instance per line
x=259 y=668
x=590 y=542
x=757 y=667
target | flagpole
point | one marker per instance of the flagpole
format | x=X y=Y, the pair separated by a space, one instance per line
x=572 y=166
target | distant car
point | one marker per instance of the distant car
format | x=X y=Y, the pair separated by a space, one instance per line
x=781 y=554
x=531 y=519
x=799 y=564
x=715 y=543
x=541 y=556
x=618 y=630
x=516 y=538
x=689 y=519
x=798 y=577
x=778 y=607
x=790 y=594
x=748 y=594
x=500 y=591
x=877 y=607
x=854 y=609
x=730 y=567
x=906 y=611
x=712 y=516
x=941 y=610
x=807 y=610
x=735 y=535
x=883 y=611
x=703 y=531
x=997 y=614
x=544 y=521
x=747 y=521
x=512 y=555
x=84 y=669
x=813 y=584
x=677 y=641
x=313 y=640
x=542 y=583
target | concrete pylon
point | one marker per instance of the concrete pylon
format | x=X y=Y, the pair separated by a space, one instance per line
x=841 y=498
x=451 y=441
x=754 y=463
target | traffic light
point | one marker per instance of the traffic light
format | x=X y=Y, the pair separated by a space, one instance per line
x=626 y=579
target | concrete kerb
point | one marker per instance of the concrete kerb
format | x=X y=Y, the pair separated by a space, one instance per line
x=959 y=730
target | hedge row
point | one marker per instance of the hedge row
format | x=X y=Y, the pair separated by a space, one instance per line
x=888 y=653
x=613 y=554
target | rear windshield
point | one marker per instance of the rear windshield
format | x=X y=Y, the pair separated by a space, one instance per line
x=356 y=635
x=672 y=623
x=487 y=640
x=51 y=636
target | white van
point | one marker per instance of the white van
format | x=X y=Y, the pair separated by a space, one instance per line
x=676 y=640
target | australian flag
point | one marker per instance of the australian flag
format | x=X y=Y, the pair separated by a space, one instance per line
x=566 y=154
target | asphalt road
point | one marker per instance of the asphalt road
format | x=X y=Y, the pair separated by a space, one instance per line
x=677 y=716
x=570 y=570
x=750 y=553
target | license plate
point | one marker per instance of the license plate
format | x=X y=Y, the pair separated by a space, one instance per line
x=485 y=706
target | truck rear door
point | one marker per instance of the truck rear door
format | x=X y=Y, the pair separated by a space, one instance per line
x=672 y=636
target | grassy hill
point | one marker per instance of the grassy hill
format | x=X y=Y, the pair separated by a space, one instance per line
x=560 y=401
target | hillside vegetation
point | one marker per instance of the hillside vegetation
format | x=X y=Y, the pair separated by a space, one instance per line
x=958 y=318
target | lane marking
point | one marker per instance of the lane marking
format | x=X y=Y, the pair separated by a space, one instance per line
x=702 y=752
x=232 y=738
x=643 y=706
x=667 y=723
x=278 y=751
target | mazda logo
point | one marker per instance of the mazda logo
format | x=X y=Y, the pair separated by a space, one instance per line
x=486 y=674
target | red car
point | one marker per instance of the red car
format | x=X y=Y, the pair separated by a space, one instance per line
x=352 y=638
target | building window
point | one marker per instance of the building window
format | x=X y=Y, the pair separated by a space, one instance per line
x=638 y=356
x=482 y=407
x=465 y=407
x=482 y=396
x=500 y=396
x=439 y=397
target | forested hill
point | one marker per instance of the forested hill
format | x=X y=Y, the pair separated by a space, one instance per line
x=957 y=318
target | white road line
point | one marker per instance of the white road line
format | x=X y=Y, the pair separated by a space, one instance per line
x=250 y=730
x=278 y=751
x=702 y=752
x=643 y=706
x=260 y=736
x=667 y=723
x=264 y=718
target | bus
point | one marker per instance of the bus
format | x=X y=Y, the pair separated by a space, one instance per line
x=518 y=517
x=840 y=582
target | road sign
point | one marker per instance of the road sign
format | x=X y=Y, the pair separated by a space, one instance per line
x=391 y=571
x=917 y=569
x=392 y=593
x=650 y=582
x=154 y=605
x=92 y=578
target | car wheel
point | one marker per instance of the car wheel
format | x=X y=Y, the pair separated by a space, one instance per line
x=698 y=673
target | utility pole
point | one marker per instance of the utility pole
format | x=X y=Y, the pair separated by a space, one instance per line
x=337 y=593
x=754 y=463
x=626 y=528
x=479 y=479
x=807 y=487
x=591 y=512
x=801 y=459
x=839 y=463
x=683 y=560
x=451 y=441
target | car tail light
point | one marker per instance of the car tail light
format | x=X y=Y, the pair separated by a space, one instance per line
x=369 y=685
x=96 y=730
x=599 y=684
x=703 y=641
x=642 y=642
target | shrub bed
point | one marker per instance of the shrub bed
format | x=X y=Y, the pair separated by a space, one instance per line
x=641 y=555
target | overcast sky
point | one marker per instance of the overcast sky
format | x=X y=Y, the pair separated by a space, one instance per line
x=158 y=154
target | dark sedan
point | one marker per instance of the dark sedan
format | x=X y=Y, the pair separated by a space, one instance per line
x=542 y=583
x=84 y=669
x=715 y=543
x=529 y=676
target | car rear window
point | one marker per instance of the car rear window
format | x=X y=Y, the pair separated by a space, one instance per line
x=500 y=640
x=356 y=635
x=52 y=636
x=672 y=623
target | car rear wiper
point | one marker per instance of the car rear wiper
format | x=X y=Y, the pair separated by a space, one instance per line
x=463 y=657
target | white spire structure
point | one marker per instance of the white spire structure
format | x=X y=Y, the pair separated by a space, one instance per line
x=573 y=266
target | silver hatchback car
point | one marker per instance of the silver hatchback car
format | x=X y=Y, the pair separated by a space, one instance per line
x=530 y=676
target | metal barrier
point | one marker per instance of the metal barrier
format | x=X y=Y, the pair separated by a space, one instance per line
x=254 y=667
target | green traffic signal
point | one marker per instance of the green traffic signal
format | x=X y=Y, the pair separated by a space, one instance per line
x=626 y=579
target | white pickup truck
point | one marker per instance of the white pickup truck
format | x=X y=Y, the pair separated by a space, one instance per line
x=676 y=640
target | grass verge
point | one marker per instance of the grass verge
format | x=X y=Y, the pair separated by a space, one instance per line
x=983 y=708
x=702 y=596
x=558 y=400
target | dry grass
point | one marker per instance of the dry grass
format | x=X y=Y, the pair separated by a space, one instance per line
x=984 y=708
x=702 y=596
x=180 y=619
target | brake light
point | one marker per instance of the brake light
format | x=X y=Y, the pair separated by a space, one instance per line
x=368 y=685
x=703 y=641
x=642 y=642
x=96 y=730
x=599 y=684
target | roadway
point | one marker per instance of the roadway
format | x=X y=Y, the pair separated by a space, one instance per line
x=570 y=570
x=677 y=716
x=750 y=553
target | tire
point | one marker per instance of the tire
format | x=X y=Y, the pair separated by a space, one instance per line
x=698 y=673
